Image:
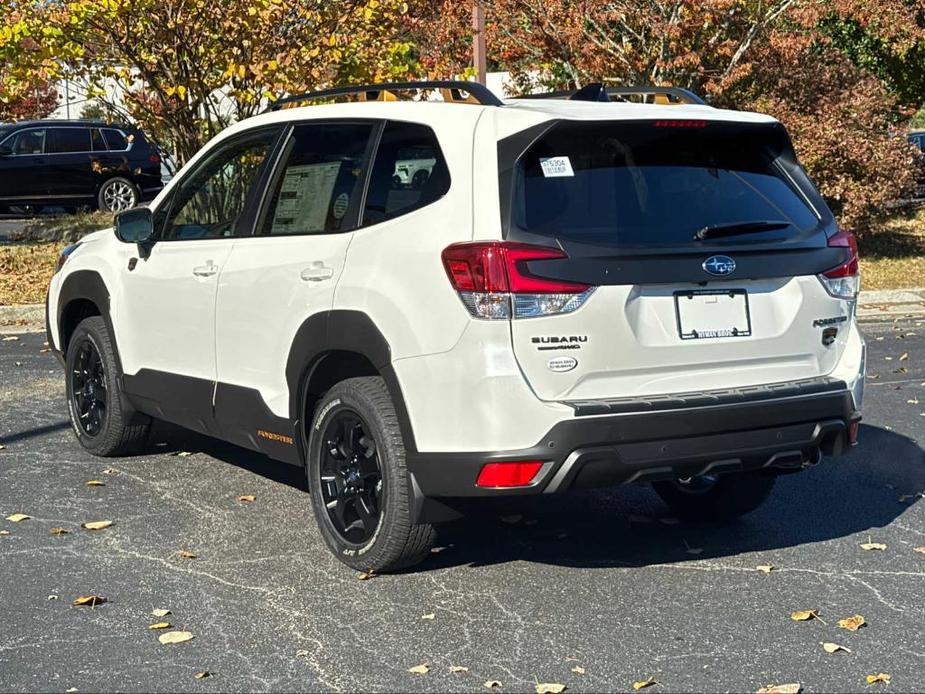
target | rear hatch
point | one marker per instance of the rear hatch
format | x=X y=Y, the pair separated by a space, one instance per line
x=694 y=248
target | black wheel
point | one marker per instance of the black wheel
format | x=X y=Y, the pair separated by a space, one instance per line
x=117 y=194
x=716 y=497
x=102 y=419
x=358 y=480
x=419 y=179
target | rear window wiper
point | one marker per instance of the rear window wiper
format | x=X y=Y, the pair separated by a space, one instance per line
x=715 y=231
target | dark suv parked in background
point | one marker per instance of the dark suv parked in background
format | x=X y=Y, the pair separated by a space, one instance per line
x=76 y=164
x=918 y=139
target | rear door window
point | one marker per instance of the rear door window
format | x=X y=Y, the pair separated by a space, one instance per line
x=409 y=172
x=68 y=140
x=96 y=140
x=648 y=183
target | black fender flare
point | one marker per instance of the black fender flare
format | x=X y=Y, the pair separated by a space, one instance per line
x=348 y=331
x=89 y=285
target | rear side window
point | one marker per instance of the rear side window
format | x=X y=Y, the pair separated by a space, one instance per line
x=68 y=140
x=313 y=191
x=645 y=183
x=115 y=139
x=409 y=172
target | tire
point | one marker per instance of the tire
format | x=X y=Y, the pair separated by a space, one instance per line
x=719 y=498
x=114 y=428
x=388 y=539
x=117 y=194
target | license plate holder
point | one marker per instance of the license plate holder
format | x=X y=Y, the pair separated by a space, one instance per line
x=712 y=313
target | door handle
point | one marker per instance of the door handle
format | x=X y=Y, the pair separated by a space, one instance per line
x=206 y=270
x=317 y=272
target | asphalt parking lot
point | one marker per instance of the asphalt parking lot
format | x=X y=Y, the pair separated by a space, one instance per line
x=593 y=591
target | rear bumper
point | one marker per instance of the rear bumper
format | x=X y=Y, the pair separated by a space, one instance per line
x=782 y=427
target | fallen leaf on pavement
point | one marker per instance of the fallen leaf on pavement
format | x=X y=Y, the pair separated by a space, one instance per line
x=89 y=600
x=96 y=525
x=4 y=532
x=804 y=615
x=94 y=483
x=366 y=575
x=869 y=546
x=852 y=623
x=578 y=670
x=421 y=669
x=458 y=668
x=183 y=554
x=791 y=688
x=18 y=517
x=247 y=498
x=2 y=447
x=175 y=637
x=160 y=612
x=10 y=338
x=642 y=684
x=830 y=647
x=881 y=677
x=52 y=597
x=183 y=454
x=491 y=684
x=302 y=653
x=202 y=675
x=59 y=531
x=765 y=568
x=428 y=616
x=904 y=356
x=159 y=625
x=920 y=550
x=549 y=688
x=110 y=471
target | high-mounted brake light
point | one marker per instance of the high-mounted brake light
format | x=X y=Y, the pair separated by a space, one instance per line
x=680 y=124
x=844 y=280
x=493 y=280
x=518 y=473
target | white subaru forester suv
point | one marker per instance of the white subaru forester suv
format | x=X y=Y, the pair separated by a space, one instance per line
x=584 y=292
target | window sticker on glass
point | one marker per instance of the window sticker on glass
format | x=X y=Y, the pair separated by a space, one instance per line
x=556 y=166
x=339 y=209
x=305 y=198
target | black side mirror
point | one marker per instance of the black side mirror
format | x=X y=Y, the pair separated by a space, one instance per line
x=136 y=226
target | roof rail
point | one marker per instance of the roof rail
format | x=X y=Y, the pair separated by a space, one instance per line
x=452 y=91
x=596 y=91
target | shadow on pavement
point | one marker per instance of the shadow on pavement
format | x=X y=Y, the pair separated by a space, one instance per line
x=629 y=526
x=35 y=432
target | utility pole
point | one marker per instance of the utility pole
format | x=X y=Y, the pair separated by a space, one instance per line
x=479 y=61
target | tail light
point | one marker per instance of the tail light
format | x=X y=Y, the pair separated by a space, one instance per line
x=843 y=281
x=513 y=474
x=680 y=124
x=154 y=159
x=494 y=283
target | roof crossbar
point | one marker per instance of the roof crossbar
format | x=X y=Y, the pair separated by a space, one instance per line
x=452 y=90
x=596 y=91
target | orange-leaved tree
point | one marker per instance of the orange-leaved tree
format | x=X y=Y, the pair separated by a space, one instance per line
x=770 y=55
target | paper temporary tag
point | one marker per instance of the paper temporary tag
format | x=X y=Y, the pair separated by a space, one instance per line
x=556 y=166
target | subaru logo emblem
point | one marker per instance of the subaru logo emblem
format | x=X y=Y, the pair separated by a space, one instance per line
x=719 y=265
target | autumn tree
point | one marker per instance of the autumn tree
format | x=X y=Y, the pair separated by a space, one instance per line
x=770 y=55
x=187 y=68
x=33 y=99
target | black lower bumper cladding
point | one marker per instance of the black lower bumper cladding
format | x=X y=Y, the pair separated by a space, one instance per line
x=781 y=427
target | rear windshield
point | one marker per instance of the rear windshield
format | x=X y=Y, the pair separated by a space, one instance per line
x=654 y=183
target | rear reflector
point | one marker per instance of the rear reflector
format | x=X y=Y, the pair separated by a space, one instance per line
x=493 y=280
x=514 y=474
x=854 y=429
